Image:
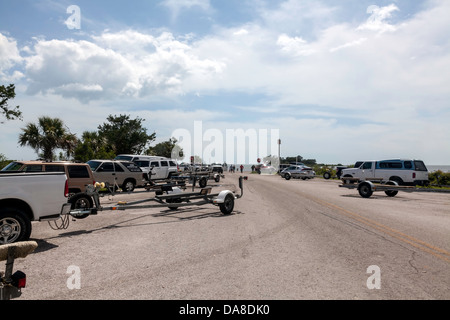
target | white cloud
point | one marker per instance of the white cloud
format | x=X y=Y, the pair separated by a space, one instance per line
x=115 y=65
x=381 y=84
x=377 y=20
x=9 y=57
x=294 y=45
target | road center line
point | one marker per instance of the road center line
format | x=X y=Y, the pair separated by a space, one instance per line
x=417 y=243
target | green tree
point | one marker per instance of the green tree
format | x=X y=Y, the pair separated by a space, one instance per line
x=7 y=93
x=125 y=135
x=48 y=135
x=92 y=146
x=168 y=149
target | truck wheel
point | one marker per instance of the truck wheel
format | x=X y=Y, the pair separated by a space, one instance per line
x=327 y=175
x=81 y=201
x=202 y=182
x=365 y=190
x=398 y=180
x=14 y=226
x=228 y=205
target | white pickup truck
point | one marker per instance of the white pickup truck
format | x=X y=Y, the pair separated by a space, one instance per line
x=402 y=171
x=27 y=197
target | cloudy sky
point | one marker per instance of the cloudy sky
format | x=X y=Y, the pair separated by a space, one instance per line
x=341 y=80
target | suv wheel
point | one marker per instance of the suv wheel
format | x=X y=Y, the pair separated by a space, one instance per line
x=128 y=185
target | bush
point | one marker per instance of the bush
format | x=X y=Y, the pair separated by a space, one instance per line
x=440 y=178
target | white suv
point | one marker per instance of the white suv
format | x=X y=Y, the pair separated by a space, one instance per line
x=160 y=167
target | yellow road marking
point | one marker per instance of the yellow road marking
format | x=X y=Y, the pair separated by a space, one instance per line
x=417 y=243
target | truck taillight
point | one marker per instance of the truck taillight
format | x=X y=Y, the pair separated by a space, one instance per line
x=66 y=189
x=414 y=175
x=19 y=279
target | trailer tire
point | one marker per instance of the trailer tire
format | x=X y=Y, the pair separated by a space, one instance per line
x=348 y=181
x=327 y=175
x=228 y=204
x=365 y=190
x=391 y=193
x=15 y=226
x=81 y=201
x=173 y=201
x=217 y=178
x=202 y=182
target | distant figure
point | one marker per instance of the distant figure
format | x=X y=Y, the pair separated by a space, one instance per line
x=242 y=168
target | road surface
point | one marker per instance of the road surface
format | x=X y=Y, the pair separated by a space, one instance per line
x=285 y=240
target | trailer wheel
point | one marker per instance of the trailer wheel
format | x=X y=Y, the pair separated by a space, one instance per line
x=365 y=190
x=327 y=175
x=228 y=205
x=202 y=183
x=81 y=201
x=391 y=193
x=14 y=225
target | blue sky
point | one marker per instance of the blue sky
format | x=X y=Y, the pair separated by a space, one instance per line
x=342 y=80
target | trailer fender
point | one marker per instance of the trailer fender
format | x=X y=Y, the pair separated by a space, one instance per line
x=221 y=196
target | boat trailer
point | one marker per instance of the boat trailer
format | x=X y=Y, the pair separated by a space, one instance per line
x=367 y=187
x=166 y=196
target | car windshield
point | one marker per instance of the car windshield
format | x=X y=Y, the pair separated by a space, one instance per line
x=13 y=166
x=93 y=164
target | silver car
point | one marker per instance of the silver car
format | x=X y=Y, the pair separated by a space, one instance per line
x=121 y=174
x=298 y=172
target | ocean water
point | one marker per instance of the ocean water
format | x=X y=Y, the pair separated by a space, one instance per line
x=443 y=168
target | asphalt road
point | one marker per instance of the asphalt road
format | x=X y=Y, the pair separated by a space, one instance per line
x=285 y=240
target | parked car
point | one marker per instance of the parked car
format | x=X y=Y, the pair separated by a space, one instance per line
x=216 y=168
x=121 y=174
x=298 y=172
x=282 y=167
x=79 y=175
x=154 y=167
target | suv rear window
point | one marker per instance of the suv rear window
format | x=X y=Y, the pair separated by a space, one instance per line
x=78 y=172
x=172 y=164
x=420 y=166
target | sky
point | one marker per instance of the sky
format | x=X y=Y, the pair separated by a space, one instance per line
x=335 y=80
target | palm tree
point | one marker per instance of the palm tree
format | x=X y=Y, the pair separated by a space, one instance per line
x=47 y=135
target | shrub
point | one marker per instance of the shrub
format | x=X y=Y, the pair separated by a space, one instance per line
x=440 y=178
